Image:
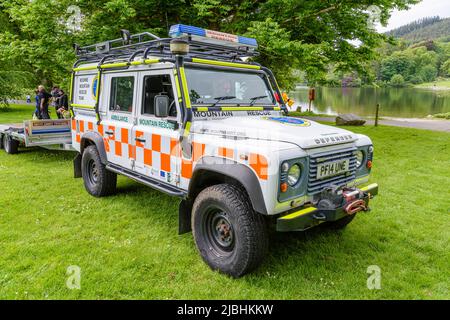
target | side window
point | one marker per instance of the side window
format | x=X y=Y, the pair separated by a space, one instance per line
x=122 y=90
x=155 y=85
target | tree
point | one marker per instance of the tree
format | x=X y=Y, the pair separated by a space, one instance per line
x=428 y=73
x=12 y=84
x=397 y=80
x=298 y=34
x=398 y=63
x=446 y=68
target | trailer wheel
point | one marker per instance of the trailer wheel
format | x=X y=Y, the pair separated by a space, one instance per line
x=11 y=146
x=230 y=236
x=98 y=181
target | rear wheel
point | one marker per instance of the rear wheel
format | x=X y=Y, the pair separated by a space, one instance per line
x=11 y=146
x=98 y=181
x=231 y=237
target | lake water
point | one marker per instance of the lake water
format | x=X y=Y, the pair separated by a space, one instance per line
x=401 y=102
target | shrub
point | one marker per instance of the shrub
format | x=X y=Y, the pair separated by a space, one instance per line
x=428 y=73
x=397 y=80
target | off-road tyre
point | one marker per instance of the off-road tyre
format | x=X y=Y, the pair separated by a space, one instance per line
x=98 y=181
x=230 y=236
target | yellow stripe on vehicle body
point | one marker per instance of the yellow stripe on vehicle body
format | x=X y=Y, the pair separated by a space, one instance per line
x=150 y=61
x=71 y=87
x=85 y=68
x=118 y=65
x=114 y=65
x=242 y=108
x=370 y=186
x=177 y=84
x=82 y=106
x=136 y=63
x=299 y=213
x=226 y=64
x=97 y=89
x=187 y=129
x=146 y=61
x=185 y=88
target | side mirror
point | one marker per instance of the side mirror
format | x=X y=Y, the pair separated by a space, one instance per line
x=161 y=106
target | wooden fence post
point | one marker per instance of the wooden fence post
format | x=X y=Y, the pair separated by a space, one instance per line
x=376 y=114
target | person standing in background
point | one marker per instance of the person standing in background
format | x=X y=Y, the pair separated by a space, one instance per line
x=63 y=104
x=44 y=98
x=28 y=99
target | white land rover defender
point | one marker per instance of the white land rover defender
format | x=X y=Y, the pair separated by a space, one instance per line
x=188 y=116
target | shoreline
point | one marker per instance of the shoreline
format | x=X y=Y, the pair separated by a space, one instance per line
x=441 y=125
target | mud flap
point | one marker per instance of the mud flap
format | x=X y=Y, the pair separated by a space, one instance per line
x=184 y=216
x=77 y=166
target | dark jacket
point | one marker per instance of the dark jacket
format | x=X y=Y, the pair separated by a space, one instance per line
x=63 y=102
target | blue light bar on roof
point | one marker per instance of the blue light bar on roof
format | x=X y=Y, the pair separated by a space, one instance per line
x=181 y=30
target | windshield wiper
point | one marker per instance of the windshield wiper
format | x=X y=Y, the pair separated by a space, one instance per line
x=222 y=98
x=253 y=100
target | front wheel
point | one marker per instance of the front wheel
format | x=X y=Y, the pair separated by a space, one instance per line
x=98 y=181
x=230 y=236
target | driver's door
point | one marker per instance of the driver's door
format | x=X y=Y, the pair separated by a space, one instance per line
x=156 y=138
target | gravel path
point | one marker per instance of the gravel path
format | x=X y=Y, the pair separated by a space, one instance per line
x=427 y=124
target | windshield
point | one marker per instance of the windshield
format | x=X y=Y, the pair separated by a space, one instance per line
x=217 y=87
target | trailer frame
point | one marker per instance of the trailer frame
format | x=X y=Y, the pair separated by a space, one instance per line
x=53 y=134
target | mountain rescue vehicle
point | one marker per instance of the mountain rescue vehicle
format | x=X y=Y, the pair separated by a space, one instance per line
x=190 y=115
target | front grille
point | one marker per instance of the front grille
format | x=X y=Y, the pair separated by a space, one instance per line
x=316 y=185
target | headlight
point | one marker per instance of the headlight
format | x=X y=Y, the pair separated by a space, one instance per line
x=359 y=158
x=294 y=175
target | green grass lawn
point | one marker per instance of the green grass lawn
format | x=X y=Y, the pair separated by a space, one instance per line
x=17 y=113
x=309 y=114
x=127 y=245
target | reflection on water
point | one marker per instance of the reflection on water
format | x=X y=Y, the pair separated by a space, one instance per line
x=401 y=102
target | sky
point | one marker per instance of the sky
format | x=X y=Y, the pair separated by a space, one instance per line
x=426 y=8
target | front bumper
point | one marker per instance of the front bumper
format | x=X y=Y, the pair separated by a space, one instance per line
x=309 y=217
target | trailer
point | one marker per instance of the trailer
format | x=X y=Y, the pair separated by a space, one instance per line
x=54 y=134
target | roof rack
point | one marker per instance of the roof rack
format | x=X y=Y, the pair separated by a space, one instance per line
x=148 y=44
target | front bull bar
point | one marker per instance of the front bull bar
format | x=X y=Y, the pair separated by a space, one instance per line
x=308 y=217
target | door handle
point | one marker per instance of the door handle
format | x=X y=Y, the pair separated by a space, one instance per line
x=139 y=139
x=109 y=132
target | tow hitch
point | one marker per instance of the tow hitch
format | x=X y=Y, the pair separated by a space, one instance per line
x=333 y=203
x=355 y=206
x=354 y=201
